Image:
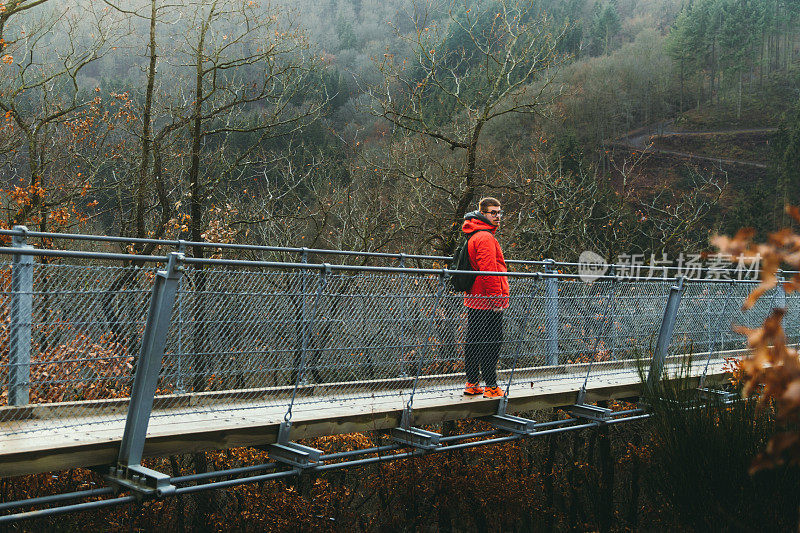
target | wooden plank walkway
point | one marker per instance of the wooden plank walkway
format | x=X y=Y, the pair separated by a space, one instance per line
x=82 y=434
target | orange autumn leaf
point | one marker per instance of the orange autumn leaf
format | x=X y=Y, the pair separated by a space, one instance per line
x=772 y=370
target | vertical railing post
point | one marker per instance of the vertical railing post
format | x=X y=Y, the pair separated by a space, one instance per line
x=148 y=365
x=299 y=380
x=594 y=354
x=304 y=313
x=780 y=295
x=710 y=316
x=502 y=420
x=796 y=331
x=284 y=450
x=179 y=385
x=21 y=316
x=779 y=298
x=611 y=308
x=791 y=318
x=665 y=333
x=403 y=318
x=719 y=337
x=551 y=314
x=406 y=434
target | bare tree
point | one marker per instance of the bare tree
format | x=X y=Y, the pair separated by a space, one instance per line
x=250 y=77
x=10 y=9
x=45 y=48
x=253 y=79
x=486 y=60
x=240 y=76
x=555 y=212
x=672 y=218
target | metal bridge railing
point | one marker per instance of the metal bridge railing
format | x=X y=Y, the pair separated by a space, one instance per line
x=237 y=335
x=276 y=253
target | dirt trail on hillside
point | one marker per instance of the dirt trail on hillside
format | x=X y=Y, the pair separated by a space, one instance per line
x=718 y=132
x=639 y=140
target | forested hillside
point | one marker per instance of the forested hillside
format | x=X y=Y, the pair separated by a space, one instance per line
x=618 y=126
x=376 y=125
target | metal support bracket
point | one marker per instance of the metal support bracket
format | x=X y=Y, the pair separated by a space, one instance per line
x=511 y=423
x=141 y=481
x=591 y=412
x=716 y=395
x=551 y=314
x=292 y=453
x=414 y=437
x=665 y=334
x=148 y=364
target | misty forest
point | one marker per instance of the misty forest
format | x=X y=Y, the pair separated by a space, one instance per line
x=616 y=126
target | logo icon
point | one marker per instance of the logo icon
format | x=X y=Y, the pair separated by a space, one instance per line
x=591 y=266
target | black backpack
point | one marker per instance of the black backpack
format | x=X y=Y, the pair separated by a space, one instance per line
x=462 y=282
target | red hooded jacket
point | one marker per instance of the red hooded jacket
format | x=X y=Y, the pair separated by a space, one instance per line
x=488 y=292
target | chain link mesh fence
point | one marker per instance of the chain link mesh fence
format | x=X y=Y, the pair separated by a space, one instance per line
x=246 y=337
x=367 y=335
x=80 y=338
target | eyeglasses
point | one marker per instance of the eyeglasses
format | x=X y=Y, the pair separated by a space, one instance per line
x=497 y=213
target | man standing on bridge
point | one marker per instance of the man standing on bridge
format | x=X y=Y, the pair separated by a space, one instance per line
x=486 y=300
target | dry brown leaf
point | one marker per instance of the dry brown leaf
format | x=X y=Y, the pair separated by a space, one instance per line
x=791 y=395
x=794 y=212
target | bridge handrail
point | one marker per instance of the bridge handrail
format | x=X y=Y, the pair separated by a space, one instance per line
x=20 y=231
x=73 y=254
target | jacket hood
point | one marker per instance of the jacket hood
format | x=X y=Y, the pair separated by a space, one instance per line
x=475 y=221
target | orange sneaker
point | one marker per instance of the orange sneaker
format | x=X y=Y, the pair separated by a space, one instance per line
x=473 y=389
x=492 y=392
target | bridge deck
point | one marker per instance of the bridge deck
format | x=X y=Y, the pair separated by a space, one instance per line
x=48 y=438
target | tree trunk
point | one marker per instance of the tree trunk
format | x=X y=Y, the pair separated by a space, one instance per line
x=204 y=501
x=195 y=187
x=633 y=501
x=739 y=100
x=787 y=52
x=549 y=484
x=468 y=196
x=606 y=509
x=147 y=113
x=761 y=61
x=577 y=441
x=195 y=219
x=179 y=508
x=713 y=71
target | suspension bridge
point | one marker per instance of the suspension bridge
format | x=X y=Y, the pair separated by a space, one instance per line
x=108 y=358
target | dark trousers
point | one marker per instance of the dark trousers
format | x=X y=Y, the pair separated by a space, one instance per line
x=482 y=349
